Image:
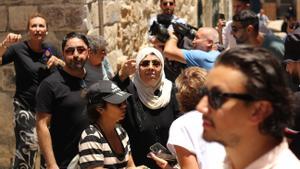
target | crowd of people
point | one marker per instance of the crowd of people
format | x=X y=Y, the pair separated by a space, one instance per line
x=181 y=103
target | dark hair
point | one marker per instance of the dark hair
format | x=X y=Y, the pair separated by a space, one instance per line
x=74 y=35
x=162 y=0
x=265 y=81
x=36 y=15
x=244 y=1
x=246 y=18
x=94 y=102
x=188 y=84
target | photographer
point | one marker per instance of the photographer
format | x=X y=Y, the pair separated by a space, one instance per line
x=160 y=25
x=203 y=54
x=164 y=18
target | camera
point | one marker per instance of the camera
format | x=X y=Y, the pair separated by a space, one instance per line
x=160 y=29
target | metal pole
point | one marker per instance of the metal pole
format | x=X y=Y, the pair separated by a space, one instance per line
x=100 y=16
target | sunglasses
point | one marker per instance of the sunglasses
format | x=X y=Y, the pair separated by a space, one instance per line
x=166 y=3
x=216 y=98
x=71 y=50
x=146 y=63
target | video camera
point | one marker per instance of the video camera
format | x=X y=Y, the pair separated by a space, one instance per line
x=159 y=29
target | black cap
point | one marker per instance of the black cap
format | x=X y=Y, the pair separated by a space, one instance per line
x=292 y=46
x=107 y=91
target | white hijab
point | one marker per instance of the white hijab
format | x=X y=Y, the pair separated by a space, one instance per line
x=146 y=93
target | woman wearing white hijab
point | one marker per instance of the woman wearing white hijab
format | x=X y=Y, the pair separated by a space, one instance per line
x=152 y=107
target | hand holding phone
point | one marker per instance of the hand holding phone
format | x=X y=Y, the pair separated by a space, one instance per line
x=162 y=152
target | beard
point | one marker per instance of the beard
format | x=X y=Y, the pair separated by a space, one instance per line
x=239 y=41
x=76 y=65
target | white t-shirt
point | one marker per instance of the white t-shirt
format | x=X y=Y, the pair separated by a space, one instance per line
x=186 y=132
x=228 y=39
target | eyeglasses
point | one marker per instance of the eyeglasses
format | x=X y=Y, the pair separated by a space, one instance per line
x=146 y=63
x=166 y=3
x=71 y=50
x=216 y=98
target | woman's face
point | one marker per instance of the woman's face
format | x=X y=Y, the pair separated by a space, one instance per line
x=115 y=112
x=150 y=69
x=37 y=28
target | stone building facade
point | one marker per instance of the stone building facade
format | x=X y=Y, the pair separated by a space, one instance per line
x=124 y=24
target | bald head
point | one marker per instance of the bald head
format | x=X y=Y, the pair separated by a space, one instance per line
x=206 y=39
x=209 y=33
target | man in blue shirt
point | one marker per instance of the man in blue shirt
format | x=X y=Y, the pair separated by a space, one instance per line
x=204 y=51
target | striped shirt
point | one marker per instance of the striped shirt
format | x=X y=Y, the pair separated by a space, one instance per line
x=95 y=151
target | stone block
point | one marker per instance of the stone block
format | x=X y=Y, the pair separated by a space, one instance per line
x=55 y=16
x=94 y=32
x=75 y=1
x=7 y=78
x=126 y=11
x=43 y=2
x=6 y=133
x=3 y=21
x=65 y=18
x=111 y=12
x=5 y=160
x=110 y=34
x=115 y=58
x=90 y=1
x=74 y=17
x=18 y=16
x=94 y=14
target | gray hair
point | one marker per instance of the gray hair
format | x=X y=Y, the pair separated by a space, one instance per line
x=97 y=43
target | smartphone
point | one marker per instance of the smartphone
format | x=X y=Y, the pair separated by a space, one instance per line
x=162 y=152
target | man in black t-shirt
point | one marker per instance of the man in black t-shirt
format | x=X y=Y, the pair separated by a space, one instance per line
x=60 y=105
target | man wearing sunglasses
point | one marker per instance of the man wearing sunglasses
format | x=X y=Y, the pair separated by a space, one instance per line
x=165 y=17
x=60 y=107
x=248 y=109
x=224 y=30
x=245 y=29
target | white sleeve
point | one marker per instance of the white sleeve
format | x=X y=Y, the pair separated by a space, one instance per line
x=179 y=136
